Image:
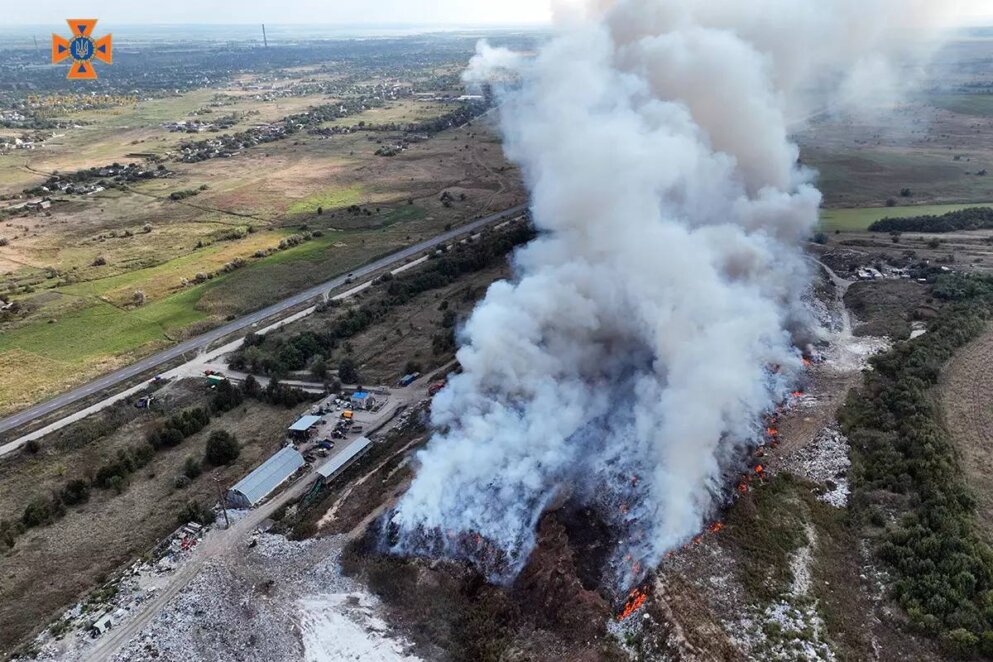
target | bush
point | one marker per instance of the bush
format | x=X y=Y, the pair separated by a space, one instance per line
x=222 y=448
x=31 y=446
x=76 y=492
x=42 y=511
x=194 y=511
x=192 y=468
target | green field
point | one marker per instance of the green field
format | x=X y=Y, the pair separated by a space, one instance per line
x=980 y=105
x=853 y=220
x=331 y=199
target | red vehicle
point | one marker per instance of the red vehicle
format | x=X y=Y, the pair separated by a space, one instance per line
x=437 y=386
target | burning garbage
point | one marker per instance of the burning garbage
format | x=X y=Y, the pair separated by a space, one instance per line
x=651 y=331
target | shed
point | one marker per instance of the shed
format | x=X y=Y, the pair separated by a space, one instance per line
x=303 y=427
x=257 y=485
x=101 y=625
x=342 y=460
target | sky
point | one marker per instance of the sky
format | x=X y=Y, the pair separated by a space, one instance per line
x=324 y=12
x=431 y=12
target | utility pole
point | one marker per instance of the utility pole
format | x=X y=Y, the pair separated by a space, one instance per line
x=224 y=506
x=36 y=45
x=265 y=42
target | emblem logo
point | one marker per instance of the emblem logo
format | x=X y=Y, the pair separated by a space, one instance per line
x=82 y=48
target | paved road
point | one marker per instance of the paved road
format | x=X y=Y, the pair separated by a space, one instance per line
x=194 y=344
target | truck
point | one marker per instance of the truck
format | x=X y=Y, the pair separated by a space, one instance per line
x=437 y=386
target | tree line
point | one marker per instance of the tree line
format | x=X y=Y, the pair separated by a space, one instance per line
x=943 y=569
x=974 y=218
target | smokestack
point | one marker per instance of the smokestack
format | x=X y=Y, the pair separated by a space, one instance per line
x=265 y=42
x=627 y=364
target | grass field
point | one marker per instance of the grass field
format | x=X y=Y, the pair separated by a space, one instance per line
x=330 y=199
x=852 y=220
x=979 y=105
x=75 y=270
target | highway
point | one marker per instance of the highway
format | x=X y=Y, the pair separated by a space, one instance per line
x=149 y=363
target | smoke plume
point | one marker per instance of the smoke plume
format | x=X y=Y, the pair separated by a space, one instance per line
x=628 y=365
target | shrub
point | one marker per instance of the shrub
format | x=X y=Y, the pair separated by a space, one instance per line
x=192 y=468
x=194 y=511
x=42 y=511
x=76 y=492
x=222 y=448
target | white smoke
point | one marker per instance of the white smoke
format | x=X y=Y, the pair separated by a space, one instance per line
x=628 y=364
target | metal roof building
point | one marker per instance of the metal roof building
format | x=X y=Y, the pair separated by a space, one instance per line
x=260 y=483
x=340 y=462
x=305 y=423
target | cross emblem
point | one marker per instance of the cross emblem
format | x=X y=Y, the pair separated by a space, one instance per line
x=82 y=48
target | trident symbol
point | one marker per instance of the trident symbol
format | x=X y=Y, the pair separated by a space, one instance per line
x=82 y=49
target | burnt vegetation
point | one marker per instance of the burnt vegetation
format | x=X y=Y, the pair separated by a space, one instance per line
x=910 y=495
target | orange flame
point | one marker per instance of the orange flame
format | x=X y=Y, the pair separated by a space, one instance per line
x=807 y=362
x=797 y=394
x=634 y=602
x=715 y=527
x=759 y=469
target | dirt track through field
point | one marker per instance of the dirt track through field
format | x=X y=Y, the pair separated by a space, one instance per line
x=967 y=404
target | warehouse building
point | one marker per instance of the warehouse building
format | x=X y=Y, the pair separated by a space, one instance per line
x=344 y=459
x=259 y=484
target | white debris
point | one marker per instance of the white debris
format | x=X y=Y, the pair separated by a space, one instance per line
x=248 y=606
x=824 y=461
x=344 y=626
x=789 y=628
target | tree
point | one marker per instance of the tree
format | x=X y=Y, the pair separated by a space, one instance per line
x=320 y=210
x=138 y=297
x=347 y=372
x=222 y=448
x=319 y=368
x=251 y=387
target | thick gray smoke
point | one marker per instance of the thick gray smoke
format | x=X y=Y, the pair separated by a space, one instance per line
x=627 y=366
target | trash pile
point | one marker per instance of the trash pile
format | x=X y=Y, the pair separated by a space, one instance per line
x=790 y=627
x=271 y=599
x=824 y=461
